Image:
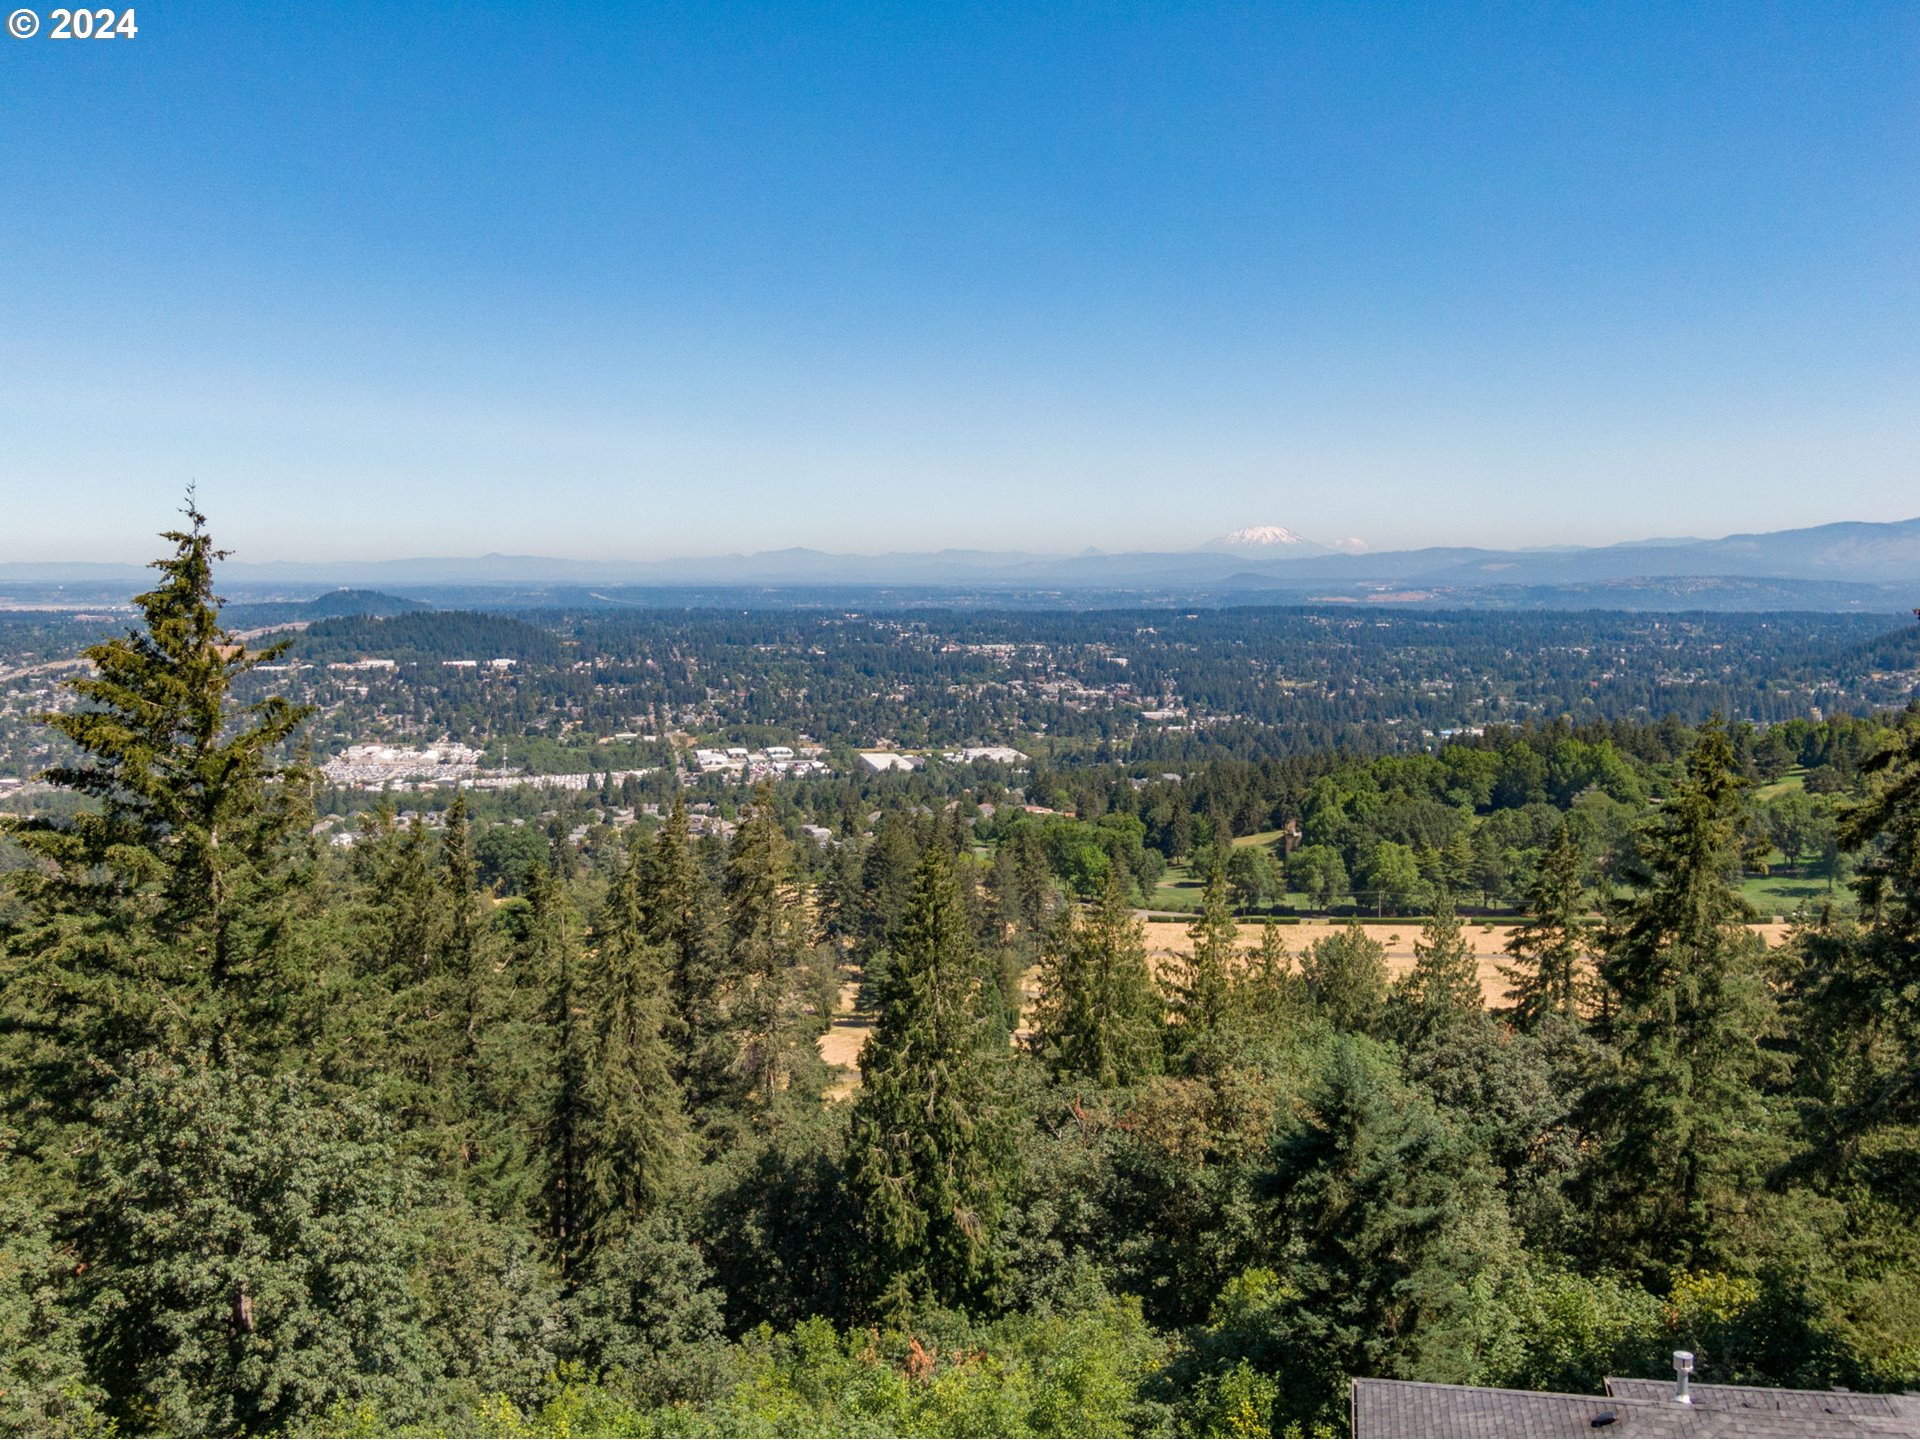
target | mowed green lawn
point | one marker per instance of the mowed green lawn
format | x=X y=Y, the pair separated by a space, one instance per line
x=1179 y=889
x=1794 y=780
x=1782 y=895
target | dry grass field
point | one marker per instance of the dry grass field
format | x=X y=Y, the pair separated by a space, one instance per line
x=840 y=1046
x=1167 y=938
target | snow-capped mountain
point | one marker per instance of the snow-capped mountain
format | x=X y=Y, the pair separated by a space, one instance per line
x=1265 y=542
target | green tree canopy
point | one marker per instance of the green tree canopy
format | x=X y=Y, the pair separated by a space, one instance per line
x=1098 y=1015
x=162 y=914
x=1376 y=1195
x=245 y=1259
x=1203 y=978
x=1346 y=977
x=930 y=1152
x=1550 y=971
x=1443 y=988
x=1689 y=1130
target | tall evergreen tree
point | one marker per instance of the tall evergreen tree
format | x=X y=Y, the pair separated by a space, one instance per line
x=246 y=1256
x=167 y=913
x=930 y=1153
x=680 y=922
x=1443 y=988
x=1005 y=908
x=1858 y=996
x=769 y=1042
x=1033 y=879
x=1688 y=1132
x=1549 y=949
x=44 y=1385
x=1272 y=996
x=407 y=1028
x=481 y=1023
x=385 y=1040
x=1374 y=1192
x=552 y=955
x=634 y=1131
x=465 y=938
x=839 y=895
x=1098 y=1015
x=1204 y=983
x=886 y=882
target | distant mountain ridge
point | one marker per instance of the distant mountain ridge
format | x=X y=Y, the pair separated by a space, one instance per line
x=1259 y=559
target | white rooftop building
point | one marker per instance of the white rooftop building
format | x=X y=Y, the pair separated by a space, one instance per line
x=880 y=761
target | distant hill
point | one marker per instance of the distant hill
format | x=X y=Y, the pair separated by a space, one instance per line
x=245 y=614
x=427 y=636
x=360 y=602
x=1896 y=652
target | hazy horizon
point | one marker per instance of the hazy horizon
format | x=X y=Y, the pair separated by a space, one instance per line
x=350 y=563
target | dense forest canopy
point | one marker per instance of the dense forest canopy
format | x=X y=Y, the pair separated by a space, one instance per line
x=475 y=1126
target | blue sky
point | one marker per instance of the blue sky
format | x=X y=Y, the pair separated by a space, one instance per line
x=642 y=280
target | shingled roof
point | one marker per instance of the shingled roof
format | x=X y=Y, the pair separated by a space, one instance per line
x=1766 y=1397
x=1387 y=1409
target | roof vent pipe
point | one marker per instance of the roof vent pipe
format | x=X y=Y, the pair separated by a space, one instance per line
x=1682 y=1368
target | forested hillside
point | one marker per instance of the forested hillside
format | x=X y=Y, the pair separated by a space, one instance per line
x=482 y=1128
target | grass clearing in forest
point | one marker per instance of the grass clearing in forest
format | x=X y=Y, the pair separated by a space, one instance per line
x=1179 y=887
x=1783 y=895
x=1793 y=782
